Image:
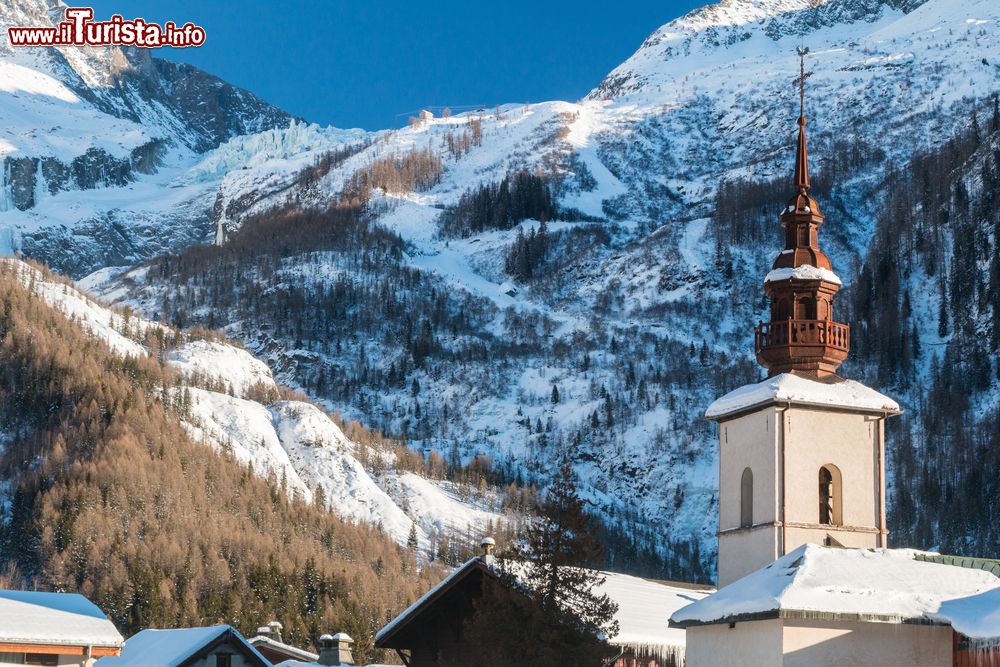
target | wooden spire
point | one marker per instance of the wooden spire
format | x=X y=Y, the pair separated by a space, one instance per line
x=801 y=155
x=802 y=336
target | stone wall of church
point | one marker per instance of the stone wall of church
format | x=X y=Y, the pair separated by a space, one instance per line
x=811 y=643
x=749 y=644
x=845 y=442
x=794 y=643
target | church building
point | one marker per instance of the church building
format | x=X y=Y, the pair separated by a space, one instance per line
x=805 y=573
x=802 y=454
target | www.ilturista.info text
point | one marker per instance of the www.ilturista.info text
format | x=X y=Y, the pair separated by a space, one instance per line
x=80 y=29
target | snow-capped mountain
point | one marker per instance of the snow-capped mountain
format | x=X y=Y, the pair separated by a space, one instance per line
x=641 y=312
x=110 y=126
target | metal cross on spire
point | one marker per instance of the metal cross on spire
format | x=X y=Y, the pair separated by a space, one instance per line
x=801 y=157
x=802 y=51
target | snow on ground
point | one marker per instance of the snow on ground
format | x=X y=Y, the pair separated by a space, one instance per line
x=323 y=458
x=236 y=368
x=437 y=504
x=583 y=130
x=31 y=99
x=888 y=584
x=788 y=388
x=96 y=319
x=98 y=279
x=243 y=428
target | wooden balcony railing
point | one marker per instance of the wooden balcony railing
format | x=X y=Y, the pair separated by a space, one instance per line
x=794 y=333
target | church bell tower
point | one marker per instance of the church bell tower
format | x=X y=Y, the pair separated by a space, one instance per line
x=801 y=454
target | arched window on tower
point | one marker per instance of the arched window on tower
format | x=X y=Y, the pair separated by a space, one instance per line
x=830 y=501
x=746 y=499
x=782 y=312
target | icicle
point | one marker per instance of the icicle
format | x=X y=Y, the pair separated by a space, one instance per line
x=665 y=655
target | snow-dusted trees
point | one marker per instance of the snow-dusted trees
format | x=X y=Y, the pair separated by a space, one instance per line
x=933 y=273
x=110 y=497
x=527 y=253
x=519 y=196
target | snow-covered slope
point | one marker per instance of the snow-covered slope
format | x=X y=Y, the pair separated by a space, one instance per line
x=171 y=101
x=292 y=441
x=236 y=370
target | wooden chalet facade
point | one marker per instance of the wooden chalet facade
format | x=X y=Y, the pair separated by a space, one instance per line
x=972 y=653
x=432 y=626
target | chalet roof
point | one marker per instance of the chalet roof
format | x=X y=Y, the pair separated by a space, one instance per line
x=644 y=605
x=797 y=390
x=869 y=585
x=287 y=650
x=64 y=619
x=180 y=647
x=434 y=593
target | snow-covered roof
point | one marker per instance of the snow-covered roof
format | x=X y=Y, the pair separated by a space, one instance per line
x=803 y=272
x=65 y=619
x=644 y=607
x=875 y=585
x=172 y=648
x=263 y=640
x=788 y=388
x=976 y=616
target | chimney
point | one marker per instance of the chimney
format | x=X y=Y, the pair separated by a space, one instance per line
x=488 y=544
x=275 y=628
x=272 y=631
x=336 y=650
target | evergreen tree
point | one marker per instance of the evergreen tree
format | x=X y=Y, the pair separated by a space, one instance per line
x=412 y=542
x=558 y=545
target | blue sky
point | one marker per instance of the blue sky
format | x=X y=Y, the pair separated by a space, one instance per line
x=371 y=64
